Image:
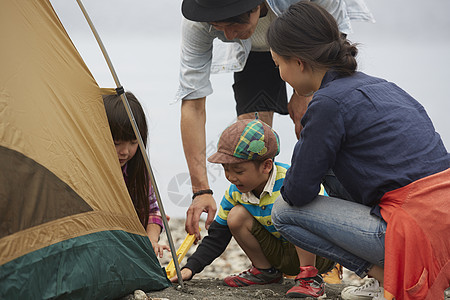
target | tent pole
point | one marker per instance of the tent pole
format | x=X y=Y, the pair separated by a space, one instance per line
x=120 y=91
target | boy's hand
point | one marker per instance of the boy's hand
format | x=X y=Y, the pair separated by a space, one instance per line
x=159 y=248
x=186 y=274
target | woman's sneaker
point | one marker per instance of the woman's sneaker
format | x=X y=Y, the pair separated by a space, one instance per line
x=380 y=295
x=308 y=283
x=254 y=276
x=370 y=290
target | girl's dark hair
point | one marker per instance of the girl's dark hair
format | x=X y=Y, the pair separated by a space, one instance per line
x=121 y=130
x=308 y=32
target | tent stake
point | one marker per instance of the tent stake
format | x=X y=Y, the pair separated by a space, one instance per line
x=139 y=138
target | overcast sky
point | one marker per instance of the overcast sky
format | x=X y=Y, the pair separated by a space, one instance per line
x=409 y=44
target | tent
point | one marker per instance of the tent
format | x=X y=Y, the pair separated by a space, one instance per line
x=68 y=228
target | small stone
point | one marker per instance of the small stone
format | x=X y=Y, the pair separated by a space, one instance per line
x=140 y=295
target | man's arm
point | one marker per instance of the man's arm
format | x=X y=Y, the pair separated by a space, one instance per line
x=195 y=65
x=193 y=119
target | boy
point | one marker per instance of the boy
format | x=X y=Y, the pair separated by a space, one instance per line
x=246 y=150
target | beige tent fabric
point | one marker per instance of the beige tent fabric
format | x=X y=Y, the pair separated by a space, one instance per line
x=51 y=111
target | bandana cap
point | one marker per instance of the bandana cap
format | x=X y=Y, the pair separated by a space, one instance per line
x=246 y=140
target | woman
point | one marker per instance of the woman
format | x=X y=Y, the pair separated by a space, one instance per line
x=382 y=147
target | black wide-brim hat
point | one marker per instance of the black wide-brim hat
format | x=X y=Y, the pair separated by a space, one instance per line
x=216 y=10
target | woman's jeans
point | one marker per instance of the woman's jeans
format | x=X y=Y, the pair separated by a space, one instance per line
x=334 y=228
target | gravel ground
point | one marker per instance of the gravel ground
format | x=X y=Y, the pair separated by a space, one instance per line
x=232 y=261
x=208 y=285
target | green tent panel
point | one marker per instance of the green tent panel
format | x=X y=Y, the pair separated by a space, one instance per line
x=102 y=265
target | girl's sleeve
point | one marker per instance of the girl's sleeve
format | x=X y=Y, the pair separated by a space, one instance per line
x=154 y=216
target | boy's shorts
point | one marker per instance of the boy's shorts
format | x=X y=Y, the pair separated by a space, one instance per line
x=281 y=254
x=259 y=87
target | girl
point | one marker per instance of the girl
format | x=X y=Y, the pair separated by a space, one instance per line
x=382 y=147
x=133 y=166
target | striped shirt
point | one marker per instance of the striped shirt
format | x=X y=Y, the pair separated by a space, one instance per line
x=260 y=211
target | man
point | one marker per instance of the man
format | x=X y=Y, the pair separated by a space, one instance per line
x=242 y=26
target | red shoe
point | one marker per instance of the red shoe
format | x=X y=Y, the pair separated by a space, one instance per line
x=308 y=284
x=253 y=276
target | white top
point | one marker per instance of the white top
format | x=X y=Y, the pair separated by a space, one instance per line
x=259 y=40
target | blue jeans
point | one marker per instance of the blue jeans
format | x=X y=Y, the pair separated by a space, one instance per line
x=337 y=229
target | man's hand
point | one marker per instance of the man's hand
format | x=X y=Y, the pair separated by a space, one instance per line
x=297 y=107
x=186 y=274
x=201 y=203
